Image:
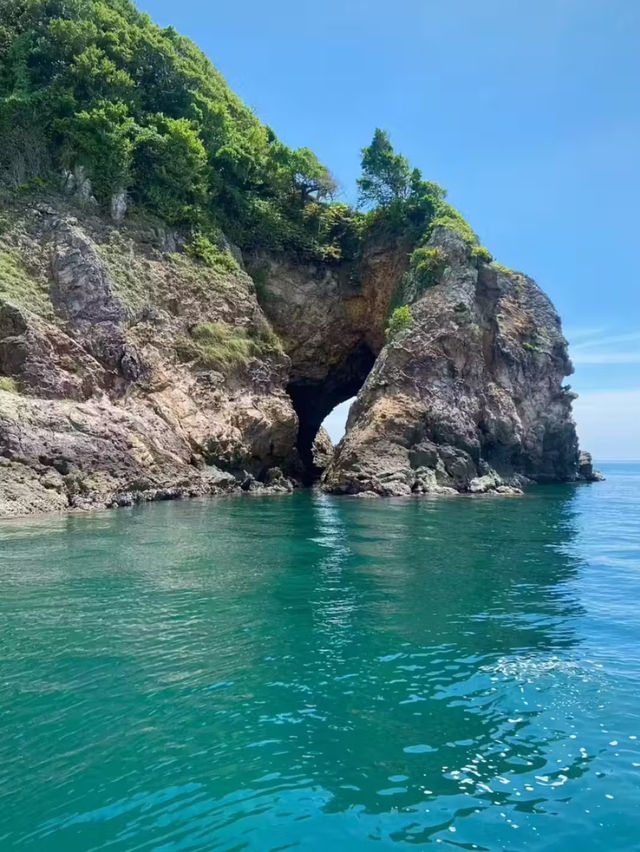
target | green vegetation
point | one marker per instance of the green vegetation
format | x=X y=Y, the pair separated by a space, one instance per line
x=204 y=250
x=505 y=270
x=217 y=344
x=403 y=202
x=534 y=342
x=399 y=321
x=481 y=254
x=18 y=285
x=448 y=217
x=427 y=265
x=426 y=268
x=8 y=384
x=386 y=176
x=94 y=83
x=126 y=270
x=93 y=88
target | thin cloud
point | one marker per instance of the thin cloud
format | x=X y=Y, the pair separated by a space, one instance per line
x=611 y=340
x=582 y=357
x=600 y=346
x=576 y=335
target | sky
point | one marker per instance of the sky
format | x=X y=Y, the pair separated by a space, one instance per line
x=529 y=115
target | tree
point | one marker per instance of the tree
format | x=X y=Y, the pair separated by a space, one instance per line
x=170 y=167
x=101 y=140
x=386 y=176
x=312 y=178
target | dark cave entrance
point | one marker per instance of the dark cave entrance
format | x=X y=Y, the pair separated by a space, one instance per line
x=313 y=400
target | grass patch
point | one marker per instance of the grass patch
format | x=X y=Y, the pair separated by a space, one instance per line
x=126 y=274
x=500 y=267
x=506 y=270
x=218 y=344
x=19 y=286
x=8 y=384
x=141 y=278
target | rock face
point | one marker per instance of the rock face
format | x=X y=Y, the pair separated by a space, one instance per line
x=132 y=371
x=469 y=397
x=331 y=320
x=323 y=450
x=107 y=397
x=586 y=472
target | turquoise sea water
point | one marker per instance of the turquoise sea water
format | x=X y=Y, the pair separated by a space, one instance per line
x=317 y=673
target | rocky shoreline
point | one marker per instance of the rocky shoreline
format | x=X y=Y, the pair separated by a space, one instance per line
x=131 y=371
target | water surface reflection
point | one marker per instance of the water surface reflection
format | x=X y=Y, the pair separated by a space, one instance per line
x=261 y=674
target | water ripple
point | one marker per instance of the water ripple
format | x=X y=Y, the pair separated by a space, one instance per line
x=296 y=674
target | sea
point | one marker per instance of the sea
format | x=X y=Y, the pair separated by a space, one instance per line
x=319 y=673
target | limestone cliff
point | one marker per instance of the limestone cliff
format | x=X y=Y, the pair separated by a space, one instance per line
x=132 y=370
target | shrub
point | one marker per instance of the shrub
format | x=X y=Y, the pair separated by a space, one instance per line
x=481 y=254
x=428 y=265
x=203 y=249
x=100 y=140
x=170 y=166
x=339 y=230
x=534 y=344
x=448 y=217
x=399 y=321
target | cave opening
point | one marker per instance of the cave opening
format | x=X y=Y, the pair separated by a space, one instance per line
x=314 y=399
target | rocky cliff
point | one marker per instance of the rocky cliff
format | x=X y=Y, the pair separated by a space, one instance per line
x=469 y=396
x=129 y=370
x=132 y=370
x=183 y=301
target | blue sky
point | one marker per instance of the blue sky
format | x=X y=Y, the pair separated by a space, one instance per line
x=528 y=113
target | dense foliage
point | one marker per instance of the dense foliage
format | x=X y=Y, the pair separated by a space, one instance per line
x=95 y=83
x=94 y=91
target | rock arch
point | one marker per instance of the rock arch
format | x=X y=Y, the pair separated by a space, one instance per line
x=331 y=320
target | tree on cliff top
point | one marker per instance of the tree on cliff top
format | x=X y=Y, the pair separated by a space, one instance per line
x=94 y=84
x=387 y=181
x=386 y=176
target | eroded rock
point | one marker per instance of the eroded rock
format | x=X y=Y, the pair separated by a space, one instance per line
x=125 y=391
x=470 y=396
